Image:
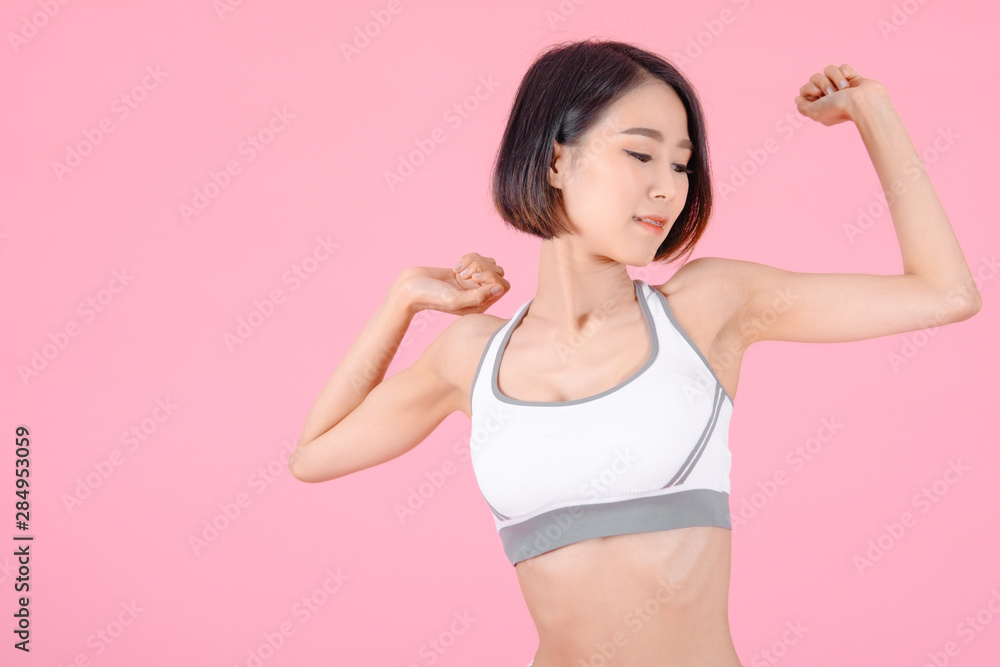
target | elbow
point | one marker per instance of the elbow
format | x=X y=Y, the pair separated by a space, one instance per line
x=969 y=306
x=302 y=470
x=957 y=304
x=976 y=307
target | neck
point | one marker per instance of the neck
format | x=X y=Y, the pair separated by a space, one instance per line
x=575 y=287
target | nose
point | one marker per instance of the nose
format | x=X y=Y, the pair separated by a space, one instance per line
x=664 y=187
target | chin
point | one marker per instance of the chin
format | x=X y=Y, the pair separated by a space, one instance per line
x=642 y=256
x=638 y=260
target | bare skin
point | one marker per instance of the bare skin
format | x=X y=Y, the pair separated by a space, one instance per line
x=582 y=594
x=651 y=597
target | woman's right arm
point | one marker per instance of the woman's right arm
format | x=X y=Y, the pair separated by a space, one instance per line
x=360 y=420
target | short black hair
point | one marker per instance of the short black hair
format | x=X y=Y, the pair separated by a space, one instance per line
x=564 y=93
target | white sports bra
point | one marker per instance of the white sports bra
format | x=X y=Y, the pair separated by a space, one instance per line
x=649 y=454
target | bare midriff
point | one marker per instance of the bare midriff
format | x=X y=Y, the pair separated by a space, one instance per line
x=657 y=599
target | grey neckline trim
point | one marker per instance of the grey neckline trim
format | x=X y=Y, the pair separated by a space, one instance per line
x=650 y=328
x=682 y=332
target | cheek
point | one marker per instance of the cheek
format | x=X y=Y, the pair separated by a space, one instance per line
x=596 y=192
x=595 y=197
x=589 y=189
x=684 y=190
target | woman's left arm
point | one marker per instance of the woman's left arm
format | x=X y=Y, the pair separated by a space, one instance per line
x=936 y=286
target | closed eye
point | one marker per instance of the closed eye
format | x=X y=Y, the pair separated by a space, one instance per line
x=643 y=157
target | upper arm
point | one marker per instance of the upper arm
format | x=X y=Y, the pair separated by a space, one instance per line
x=776 y=304
x=395 y=416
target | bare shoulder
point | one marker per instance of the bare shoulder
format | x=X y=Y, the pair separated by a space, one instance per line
x=716 y=283
x=707 y=297
x=457 y=351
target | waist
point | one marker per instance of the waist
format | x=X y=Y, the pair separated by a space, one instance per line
x=659 y=594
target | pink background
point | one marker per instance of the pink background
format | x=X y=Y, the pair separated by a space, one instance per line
x=161 y=335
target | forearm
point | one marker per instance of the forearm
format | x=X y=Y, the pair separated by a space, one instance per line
x=927 y=241
x=362 y=368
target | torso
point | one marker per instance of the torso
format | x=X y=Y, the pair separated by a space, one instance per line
x=650 y=598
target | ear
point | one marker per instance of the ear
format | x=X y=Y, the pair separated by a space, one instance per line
x=559 y=165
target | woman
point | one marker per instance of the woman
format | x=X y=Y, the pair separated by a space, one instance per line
x=600 y=442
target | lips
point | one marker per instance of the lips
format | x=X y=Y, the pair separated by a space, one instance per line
x=657 y=220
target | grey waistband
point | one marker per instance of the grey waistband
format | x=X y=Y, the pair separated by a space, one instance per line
x=566 y=525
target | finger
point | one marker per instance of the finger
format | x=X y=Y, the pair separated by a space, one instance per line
x=488 y=291
x=472 y=267
x=467 y=259
x=836 y=76
x=486 y=261
x=476 y=255
x=804 y=106
x=810 y=91
x=471 y=301
x=479 y=267
x=849 y=72
x=488 y=296
x=823 y=83
x=488 y=278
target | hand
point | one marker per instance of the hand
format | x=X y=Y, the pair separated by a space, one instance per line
x=458 y=292
x=835 y=95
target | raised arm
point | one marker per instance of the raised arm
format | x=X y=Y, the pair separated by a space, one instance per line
x=360 y=420
x=936 y=286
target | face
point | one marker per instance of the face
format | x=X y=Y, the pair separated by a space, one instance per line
x=633 y=164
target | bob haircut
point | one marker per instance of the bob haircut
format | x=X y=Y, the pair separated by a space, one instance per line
x=566 y=92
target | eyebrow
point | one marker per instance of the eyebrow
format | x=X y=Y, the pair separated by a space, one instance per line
x=656 y=134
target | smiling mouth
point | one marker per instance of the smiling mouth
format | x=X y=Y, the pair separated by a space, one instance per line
x=649 y=221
